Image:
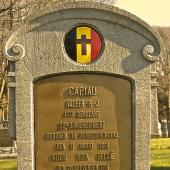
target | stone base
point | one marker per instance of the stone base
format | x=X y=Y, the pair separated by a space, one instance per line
x=155 y=136
x=5 y=140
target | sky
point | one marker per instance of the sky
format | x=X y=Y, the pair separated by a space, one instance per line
x=154 y=12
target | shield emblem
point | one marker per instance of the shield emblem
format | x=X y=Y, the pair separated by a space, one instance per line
x=83 y=44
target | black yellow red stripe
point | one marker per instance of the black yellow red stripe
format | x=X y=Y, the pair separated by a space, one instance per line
x=83 y=44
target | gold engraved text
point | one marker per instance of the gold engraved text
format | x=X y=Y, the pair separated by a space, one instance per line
x=56 y=136
x=82 y=114
x=81 y=157
x=74 y=104
x=71 y=146
x=85 y=146
x=59 y=157
x=83 y=167
x=93 y=135
x=60 y=146
x=105 y=156
x=80 y=125
x=103 y=146
x=82 y=91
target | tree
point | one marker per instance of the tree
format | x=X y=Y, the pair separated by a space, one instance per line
x=11 y=13
x=164 y=81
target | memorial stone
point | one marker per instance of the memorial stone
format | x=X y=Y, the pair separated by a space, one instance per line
x=80 y=85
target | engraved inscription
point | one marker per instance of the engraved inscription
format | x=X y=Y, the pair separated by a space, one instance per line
x=58 y=157
x=82 y=91
x=83 y=123
x=83 y=167
x=105 y=156
x=60 y=146
x=79 y=104
x=80 y=125
x=81 y=157
x=85 y=146
x=103 y=146
x=82 y=114
x=71 y=146
x=94 y=135
x=74 y=104
x=56 y=136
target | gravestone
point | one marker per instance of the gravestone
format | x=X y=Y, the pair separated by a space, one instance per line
x=155 y=130
x=80 y=85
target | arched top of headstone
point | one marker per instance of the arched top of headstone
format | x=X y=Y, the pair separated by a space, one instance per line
x=151 y=52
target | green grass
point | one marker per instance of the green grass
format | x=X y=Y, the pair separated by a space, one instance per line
x=160 y=154
x=8 y=164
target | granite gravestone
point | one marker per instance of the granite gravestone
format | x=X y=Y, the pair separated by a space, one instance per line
x=80 y=74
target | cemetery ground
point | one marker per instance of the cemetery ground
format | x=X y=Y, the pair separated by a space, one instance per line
x=8 y=164
x=160 y=154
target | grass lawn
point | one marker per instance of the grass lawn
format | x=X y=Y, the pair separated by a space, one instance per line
x=8 y=164
x=160 y=154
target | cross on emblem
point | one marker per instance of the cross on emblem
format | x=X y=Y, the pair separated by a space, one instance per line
x=83 y=44
x=83 y=41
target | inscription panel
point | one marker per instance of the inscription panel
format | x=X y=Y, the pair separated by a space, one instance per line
x=83 y=122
